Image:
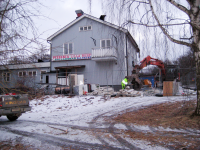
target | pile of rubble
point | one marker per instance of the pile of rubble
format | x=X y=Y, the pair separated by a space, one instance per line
x=145 y=91
x=129 y=93
x=103 y=91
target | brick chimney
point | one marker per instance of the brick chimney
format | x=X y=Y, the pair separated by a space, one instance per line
x=79 y=13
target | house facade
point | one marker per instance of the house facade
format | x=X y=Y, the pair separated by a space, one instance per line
x=92 y=49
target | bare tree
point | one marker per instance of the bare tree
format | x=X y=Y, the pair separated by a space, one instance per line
x=18 y=34
x=177 y=20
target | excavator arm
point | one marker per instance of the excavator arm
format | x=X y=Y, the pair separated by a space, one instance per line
x=151 y=61
x=134 y=78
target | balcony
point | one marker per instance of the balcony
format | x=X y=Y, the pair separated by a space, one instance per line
x=104 y=54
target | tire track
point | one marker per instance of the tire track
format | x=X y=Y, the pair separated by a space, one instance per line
x=122 y=141
x=112 y=131
x=61 y=142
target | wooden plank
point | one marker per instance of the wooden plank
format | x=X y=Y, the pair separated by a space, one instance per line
x=168 y=88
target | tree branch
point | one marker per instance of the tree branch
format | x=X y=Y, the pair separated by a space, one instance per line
x=181 y=7
x=1 y=22
x=165 y=31
x=146 y=25
x=140 y=2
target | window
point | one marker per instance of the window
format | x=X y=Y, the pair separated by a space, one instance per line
x=106 y=43
x=42 y=72
x=68 y=48
x=89 y=27
x=85 y=28
x=6 y=76
x=32 y=73
x=22 y=74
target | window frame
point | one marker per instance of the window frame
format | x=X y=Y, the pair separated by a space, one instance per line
x=32 y=75
x=22 y=73
x=83 y=28
x=91 y=27
x=105 y=43
x=80 y=28
x=6 y=77
x=68 y=48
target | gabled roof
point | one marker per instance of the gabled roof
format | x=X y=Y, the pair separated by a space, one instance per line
x=98 y=20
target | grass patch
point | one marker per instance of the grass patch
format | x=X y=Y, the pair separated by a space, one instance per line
x=14 y=145
x=173 y=115
x=178 y=115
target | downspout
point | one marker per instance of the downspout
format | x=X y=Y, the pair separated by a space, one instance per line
x=126 y=55
x=50 y=53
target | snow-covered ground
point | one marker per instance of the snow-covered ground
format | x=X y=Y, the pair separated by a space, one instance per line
x=76 y=114
x=81 y=110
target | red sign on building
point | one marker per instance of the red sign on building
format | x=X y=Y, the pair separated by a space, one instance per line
x=71 y=57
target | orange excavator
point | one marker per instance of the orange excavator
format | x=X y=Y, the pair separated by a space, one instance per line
x=169 y=73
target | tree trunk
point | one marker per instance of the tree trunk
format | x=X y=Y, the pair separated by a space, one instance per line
x=194 y=17
x=197 y=58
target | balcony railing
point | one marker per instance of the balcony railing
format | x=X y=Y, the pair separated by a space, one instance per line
x=104 y=54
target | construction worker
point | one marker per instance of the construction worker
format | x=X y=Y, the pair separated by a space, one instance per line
x=124 y=82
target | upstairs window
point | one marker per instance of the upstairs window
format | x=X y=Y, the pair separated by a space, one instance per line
x=22 y=74
x=85 y=28
x=106 y=43
x=89 y=27
x=6 y=76
x=68 y=48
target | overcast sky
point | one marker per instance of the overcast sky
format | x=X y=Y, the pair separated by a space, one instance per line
x=59 y=13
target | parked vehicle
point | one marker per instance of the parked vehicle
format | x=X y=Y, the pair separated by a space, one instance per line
x=13 y=106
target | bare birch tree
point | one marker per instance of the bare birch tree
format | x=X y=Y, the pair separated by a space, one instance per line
x=178 y=20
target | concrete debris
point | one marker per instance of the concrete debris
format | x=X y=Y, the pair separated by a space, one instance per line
x=152 y=91
x=103 y=91
x=129 y=93
x=108 y=92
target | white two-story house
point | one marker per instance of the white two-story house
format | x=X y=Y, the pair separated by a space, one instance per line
x=93 y=51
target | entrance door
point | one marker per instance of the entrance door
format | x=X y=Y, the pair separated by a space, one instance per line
x=47 y=79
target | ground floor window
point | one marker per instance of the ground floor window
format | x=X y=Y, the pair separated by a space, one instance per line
x=6 y=76
x=22 y=73
x=32 y=73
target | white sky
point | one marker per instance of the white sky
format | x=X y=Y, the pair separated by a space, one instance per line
x=59 y=13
